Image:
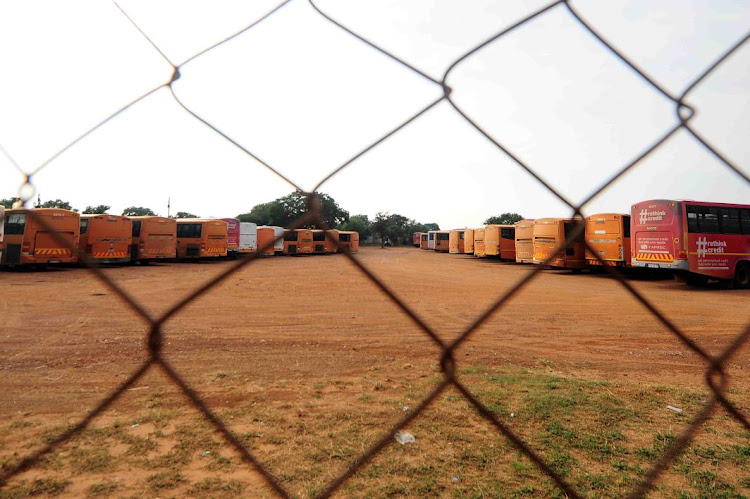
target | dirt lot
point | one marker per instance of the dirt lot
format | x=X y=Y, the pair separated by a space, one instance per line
x=309 y=363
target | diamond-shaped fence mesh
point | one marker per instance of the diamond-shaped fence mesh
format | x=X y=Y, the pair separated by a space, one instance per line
x=715 y=375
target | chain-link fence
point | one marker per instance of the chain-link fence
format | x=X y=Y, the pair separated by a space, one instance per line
x=715 y=374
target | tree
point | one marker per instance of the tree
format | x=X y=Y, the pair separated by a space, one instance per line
x=504 y=219
x=97 y=210
x=57 y=203
x=137 y=211
x=9 y=202
x=394 y=227
x=285 y=210
x=184 y=214
x=358 y=223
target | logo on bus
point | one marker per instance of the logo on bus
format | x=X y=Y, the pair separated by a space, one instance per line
x=651 y=216
x=706 y=247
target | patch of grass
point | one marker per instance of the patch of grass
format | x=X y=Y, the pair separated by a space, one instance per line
x=96 y=460
x=37 y=487
x=101 y=489
x=216 y=487
x=165 y=480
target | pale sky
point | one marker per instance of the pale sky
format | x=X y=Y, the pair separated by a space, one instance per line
x=305 y=96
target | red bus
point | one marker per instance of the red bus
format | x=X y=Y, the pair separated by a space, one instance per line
x=700 y=239
x=233 y=236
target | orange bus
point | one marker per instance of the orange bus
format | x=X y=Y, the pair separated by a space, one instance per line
x=500 y=241
x=549 y=233
x=321 y=243
x=479 y=249
x=298 y=241
x=266 y=234
x=456 y=241
x=608 y=234
x=442 y=240
x=105 y=238
x=27 y=242
x=152 y=238
x=201 y=238
x=469 y=241
x=348 y=241
x=424 y=241
x=525 y=241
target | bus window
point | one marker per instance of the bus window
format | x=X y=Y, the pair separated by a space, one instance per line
x=15 y=223
x=290 y=236
x=189 y=230
x=508 y=234
x=319 y=236
x=136 y=228
x=745 y=221
x=84 y=225
x=345 y=237
x=626 y=226
x=692 y=217
x=730 y=221
x=460 y=235
x=706 y=219
x=443 y=237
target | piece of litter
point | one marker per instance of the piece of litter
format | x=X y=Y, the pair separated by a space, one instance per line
x=455 y=479
x=404 y=437
x=406 y=409
x=675 y=409
x=135 y=425
x=206 y=453
x=513 y=414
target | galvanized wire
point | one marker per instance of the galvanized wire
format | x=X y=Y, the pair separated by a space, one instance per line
x=715 y=375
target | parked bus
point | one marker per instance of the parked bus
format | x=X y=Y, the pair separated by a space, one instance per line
x=233 y=236
x=416 y=239
x=266 y=234
x=500 y=241
x=431 y=239
x=456 y=241
x=442 y=239
x=348 y=241
x=323 y=244
x=479 y=249
x=608 y=234
x=2 y=230
x=525 y=241
x=105 y=238
x=278 y=233
x=699 y=239
x=424 y=243
x=152 y=238
x=298 y=241
x=248 y=238
x=201 y=238
x=469 y=241
x=549 y=233
x=28 y=237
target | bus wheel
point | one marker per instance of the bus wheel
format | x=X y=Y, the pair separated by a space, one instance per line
x=696 y=280
x=742 y=275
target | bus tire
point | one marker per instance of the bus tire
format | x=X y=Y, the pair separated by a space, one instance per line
x=742 y=275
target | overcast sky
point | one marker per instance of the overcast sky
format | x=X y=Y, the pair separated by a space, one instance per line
x=305 y=96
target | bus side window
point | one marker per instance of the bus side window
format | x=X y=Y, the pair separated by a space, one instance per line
x=710 y=222
x=692 y=218
x=745 y=221
x=730 y=221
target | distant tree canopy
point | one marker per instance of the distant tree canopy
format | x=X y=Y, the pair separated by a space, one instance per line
x=185 y=214
x=8 y=202
x=57 y=203
x=360 y=224
x=285 y=210
x=97 y=210
x=504 y=219
x=397 y=228
x=137 y=211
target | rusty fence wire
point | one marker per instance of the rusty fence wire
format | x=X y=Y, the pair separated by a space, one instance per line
x=715 y=375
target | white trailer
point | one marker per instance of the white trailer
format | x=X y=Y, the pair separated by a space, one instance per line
x=248 y=237
x=431 y=239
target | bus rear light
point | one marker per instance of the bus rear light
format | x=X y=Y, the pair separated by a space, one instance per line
x=682 y=255
x=26 y=247
x=141 y=246
x=203 y=246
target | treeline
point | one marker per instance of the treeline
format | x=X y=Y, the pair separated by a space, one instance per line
x=388 y=227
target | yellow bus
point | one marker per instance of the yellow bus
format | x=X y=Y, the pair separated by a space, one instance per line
x=348 y=241
x=469 y=241
x=201 y=238
x=152 y=238
x=500 y=241
x=479 y=249
x=456 y=241
x=549 y=234
x=525 y=241
x=442 y=240
x=35 y=236
x=608 y=234
x=105 y=238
